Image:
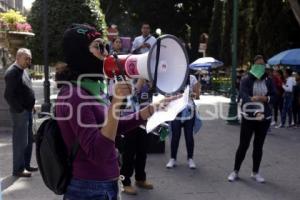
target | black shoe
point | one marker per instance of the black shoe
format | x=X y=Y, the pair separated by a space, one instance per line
x=32 y=169
x=22 y=174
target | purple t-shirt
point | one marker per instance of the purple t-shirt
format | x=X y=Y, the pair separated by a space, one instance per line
x=96 y=158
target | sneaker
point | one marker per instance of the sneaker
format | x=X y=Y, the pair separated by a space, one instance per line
x=171 y=163
x=144 y=185
x=279 y=126
x=257 y=177
x=191 y=163
x=129 y=190
x=32 y=169
x=233 y=176
x=23 y=174
x=273 y=123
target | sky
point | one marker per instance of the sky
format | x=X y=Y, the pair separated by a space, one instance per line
x=27 y=3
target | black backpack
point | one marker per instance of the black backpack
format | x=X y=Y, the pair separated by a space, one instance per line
x=52 y=157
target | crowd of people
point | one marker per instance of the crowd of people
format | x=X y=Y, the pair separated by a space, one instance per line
x=287 y=104
x=119 y=147
x=98 y=165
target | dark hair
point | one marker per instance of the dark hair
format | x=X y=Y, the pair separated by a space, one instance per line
x=64 y=73
x=145 y=23
x=288 y=71
x=280 y=74
x=116 y=38
x=257 y=57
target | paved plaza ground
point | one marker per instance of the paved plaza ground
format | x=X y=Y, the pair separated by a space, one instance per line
x=215 y=147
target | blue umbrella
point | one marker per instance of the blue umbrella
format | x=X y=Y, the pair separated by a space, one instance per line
x=288 y=57
x=205 y=63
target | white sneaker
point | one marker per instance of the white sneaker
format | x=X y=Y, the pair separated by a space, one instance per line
x=273 y=123
x=279 y=126
x=171 y=163
x=233 y=176
x=191 y=163
x=257 y=177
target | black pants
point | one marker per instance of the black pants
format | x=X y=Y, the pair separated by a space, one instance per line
x=296 y=112
x=188 y=134
x=248 y=127
x=134 y=155
x=278 y=107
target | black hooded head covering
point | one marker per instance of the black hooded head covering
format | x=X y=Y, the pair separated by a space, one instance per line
x=78 y=57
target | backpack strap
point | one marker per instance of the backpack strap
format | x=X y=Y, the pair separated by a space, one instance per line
x=147 y=38
x=75 y=146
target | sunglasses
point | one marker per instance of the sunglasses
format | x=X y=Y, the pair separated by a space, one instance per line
x=101 y=47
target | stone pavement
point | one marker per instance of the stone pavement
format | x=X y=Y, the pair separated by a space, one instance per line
x=215 y=147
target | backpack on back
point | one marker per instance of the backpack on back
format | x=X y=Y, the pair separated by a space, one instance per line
x=52 y=157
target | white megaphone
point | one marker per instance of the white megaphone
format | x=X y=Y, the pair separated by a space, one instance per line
x=172 y=69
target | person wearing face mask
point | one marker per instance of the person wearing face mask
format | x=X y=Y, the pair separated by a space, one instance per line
x=20 y=98
x=86 y=116
x=257 y=92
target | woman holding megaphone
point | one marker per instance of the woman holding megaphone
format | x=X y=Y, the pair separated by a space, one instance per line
x=87 y=116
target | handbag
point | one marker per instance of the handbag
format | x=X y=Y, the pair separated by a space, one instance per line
x=197 y=122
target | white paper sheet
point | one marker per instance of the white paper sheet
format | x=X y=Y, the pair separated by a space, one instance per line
x=170 y=113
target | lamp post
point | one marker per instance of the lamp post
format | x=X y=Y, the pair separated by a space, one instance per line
x=232 y=114
x=46 y=106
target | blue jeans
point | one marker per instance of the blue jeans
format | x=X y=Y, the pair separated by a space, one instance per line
x=92 y=190
x=188 y=125
x=28 y=151
x=287 y=107
x=22 y=140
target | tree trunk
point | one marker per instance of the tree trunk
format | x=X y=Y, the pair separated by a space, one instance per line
x=295 y=6
x=226 y=41
x=195 y=39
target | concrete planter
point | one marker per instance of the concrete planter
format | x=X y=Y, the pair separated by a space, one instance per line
x=13 y=40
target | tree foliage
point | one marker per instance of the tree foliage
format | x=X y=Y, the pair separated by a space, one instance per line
x=264 y=27
x=226 y=33
x=185 y=19
x=61 y=14
x=276 y=28
x=215 y=31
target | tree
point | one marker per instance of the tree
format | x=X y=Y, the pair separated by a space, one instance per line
x=276 y=28
x=295 y=6
x=215 y=31
x=61 y=14
x=184 y=19
x=116 y=13
x=227 y=32
x=198 y=15
x=244 y=31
